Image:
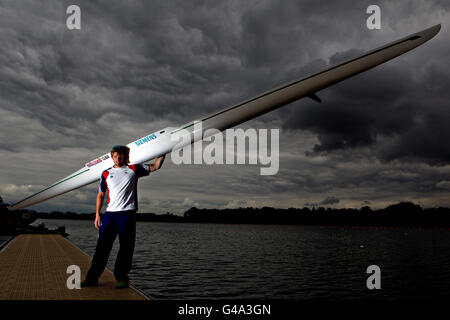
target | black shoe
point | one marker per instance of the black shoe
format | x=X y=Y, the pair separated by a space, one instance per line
x=88 y=283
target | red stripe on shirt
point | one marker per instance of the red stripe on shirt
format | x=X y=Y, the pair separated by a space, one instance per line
x=105 y=175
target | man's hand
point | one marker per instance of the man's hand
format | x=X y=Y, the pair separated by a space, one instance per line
x=97 y=222
x=98 y=209
x=158 y=163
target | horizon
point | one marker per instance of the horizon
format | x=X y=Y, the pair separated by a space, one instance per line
x=254 y=208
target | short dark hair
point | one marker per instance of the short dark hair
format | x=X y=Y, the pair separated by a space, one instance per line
x=124 y=150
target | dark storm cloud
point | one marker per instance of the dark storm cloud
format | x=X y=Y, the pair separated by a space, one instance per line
x=151 y=57
x=330 y=200
x=399 y=109
x=139 y=66
x=393 y=101
x=353 y=113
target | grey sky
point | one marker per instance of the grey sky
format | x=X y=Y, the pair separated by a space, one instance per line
x=138 y=66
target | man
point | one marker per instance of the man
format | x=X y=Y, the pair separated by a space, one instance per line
x=120 y=215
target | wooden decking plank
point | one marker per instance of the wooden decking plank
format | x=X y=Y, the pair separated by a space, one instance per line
x=34 y=267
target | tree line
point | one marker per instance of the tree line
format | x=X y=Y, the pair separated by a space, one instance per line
x=404 y=214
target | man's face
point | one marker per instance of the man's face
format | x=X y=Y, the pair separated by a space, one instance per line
x=119 y=159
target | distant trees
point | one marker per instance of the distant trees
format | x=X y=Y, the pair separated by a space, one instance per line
x=404 y=214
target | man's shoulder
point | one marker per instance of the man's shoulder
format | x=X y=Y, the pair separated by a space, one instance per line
x=135 y=166
x=105 y=172
x=140 y=169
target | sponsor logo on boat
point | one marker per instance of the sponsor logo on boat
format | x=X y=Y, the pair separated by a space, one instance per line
x=93 y=162
x=145 y=139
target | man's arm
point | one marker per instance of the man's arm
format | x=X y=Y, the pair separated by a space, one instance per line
x=98 y=209
x=158 y=163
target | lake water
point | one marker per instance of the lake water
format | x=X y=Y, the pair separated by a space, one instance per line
x=228 y=261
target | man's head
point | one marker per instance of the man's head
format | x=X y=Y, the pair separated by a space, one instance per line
x=120 y=155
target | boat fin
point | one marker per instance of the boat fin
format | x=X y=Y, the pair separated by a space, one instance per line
x=314 y=97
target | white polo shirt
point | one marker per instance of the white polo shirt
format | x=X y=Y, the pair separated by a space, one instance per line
x=121 y=184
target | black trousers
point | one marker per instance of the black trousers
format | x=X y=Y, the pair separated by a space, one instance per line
x=122 y=223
